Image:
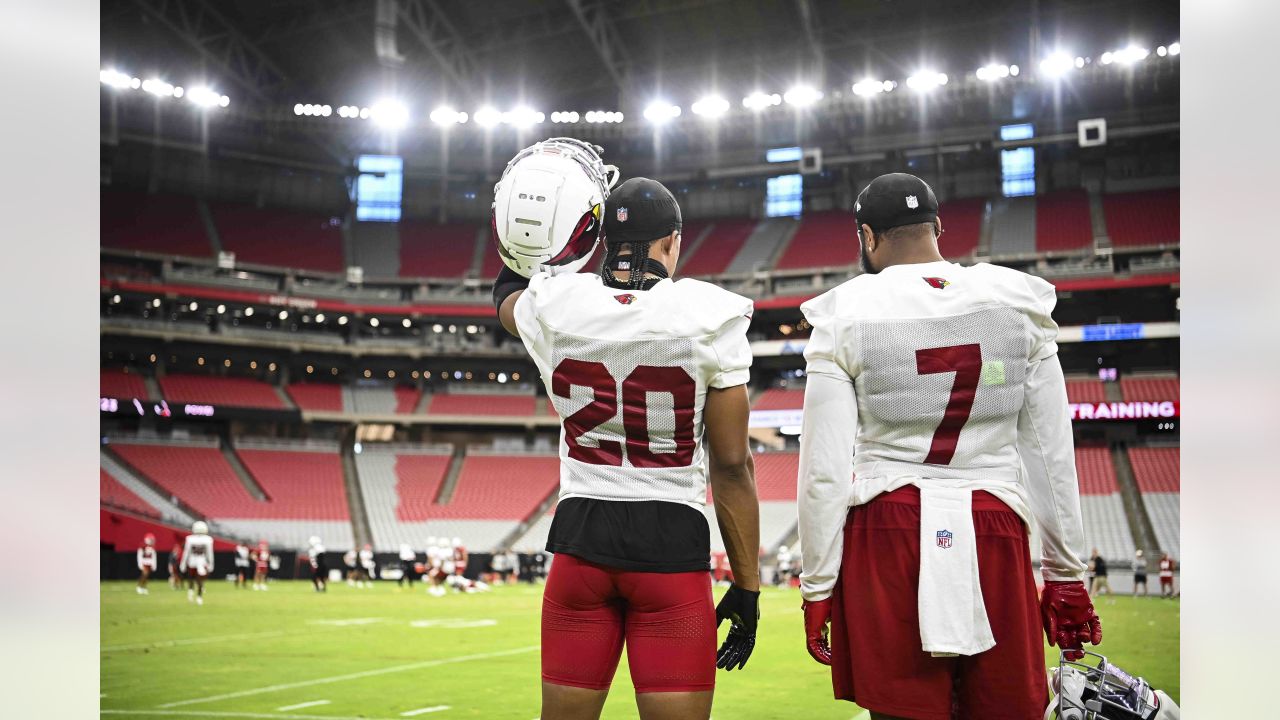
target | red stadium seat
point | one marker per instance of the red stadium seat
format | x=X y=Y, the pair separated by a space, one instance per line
x=780 y=399
x=212 y=390
x=166 y=224
x=961 y=225
x=407 y=399
x=824 y=239
x=316 y=396
x=1062 y=221
x=482 y=404
x=120 y=383
x=1142 y=219
x=1149 y=389
x=438 y=251
x=1096 y=471
x=718 y=248
x=281 y=238
x=500 y=487
x=1087 y=391
x=112 y=492
x=1156 y=469
x=418 y=480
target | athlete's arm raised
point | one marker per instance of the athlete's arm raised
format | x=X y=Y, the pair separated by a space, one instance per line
x=733 y=487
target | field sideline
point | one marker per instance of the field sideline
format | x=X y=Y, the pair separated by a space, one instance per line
x=390 y=654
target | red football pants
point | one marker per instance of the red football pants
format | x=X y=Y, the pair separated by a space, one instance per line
x=666 y=619
x=875 y=627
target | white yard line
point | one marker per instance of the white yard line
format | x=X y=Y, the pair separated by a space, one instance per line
x=192 y=641
x=299 y=706
x=351 y=676
x=219 y=714
x=424 y=711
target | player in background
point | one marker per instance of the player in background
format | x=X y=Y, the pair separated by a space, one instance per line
x=1167 y=566
x=175 y=567
x=498 y=564
x=197 y=560
x=261 y=565
x=352 y=571
x=1139 y=573
x=146 y=562
x=638 y=366
x=440 y=565
x=319 y=566
x=934 y=385
x=459 y=557
x=367 y=566
x=1100 y=585
x=783 y=568
x=408 y=559
x=242 y=565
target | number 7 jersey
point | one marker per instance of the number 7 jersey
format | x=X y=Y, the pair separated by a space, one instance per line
x=628 y=373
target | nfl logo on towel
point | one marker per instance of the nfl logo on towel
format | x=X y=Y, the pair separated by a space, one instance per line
x=944 y=539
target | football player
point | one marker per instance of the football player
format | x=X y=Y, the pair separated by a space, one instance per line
x=648 y=376
x=197 y=560
x=146 y=561
x=367 y=566
x=319 y=568
x=783 y=573
x=175 y=567
x=261 y=565
x=938 y=388
x=242 y=565
x=459 y=557
x=407 y=563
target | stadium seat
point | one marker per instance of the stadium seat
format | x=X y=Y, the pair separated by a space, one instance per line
x=824 y=239
x=1106 y=527
x=1143 y=219
x=399 y=488
x=112 y=492
x=1062 y=221
x=1086 y=391
x=121 y=383
x=316 y=396
x=215 y=390
x=1153 y=388
x=407 y=399
x=165 y=224
x=438 y=251
x=1158 y=474
x=718 y=248
x=269 y=236
x=961 y=225
x=161 y=505
x=482 y=404
x=501 y=487
x=780 y=399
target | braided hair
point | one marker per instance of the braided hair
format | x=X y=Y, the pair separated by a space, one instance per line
x=637 y=264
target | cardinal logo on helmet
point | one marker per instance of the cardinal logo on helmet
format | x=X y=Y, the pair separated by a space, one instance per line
x=937 y=282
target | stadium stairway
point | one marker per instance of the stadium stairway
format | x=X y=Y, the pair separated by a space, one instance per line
x=137 y=483
x=210 y=229
x=451 y=476
x=1013 y=226
x=531 y=534
x=1098 y=219
x=1135 y=510
x=690 y=242
x=355 y=498
x=762 y=245
x=250 y=485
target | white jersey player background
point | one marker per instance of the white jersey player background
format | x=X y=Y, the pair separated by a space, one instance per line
x=958 y=383
x=627 y=434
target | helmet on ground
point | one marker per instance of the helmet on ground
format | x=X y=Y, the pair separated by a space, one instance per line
x=1094 y=689
x=548 y=206
x=200 y=527
x=148 y=539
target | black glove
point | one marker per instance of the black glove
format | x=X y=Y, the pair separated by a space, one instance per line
x=508 y=281
x=742 y=609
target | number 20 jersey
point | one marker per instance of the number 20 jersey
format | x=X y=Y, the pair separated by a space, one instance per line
x=628 y=372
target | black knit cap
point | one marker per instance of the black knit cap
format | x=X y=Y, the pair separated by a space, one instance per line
x=640 y=210
x=895 y=199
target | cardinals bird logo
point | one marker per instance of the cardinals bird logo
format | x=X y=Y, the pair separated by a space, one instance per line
x=937 y=282
x=625 y=299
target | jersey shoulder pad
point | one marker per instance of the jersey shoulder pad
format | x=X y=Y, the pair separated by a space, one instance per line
x=837 y=302
x=713 y=305
x=1018 y=289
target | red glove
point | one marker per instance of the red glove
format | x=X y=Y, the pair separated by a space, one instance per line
x=817 y=615
x=1068 y=617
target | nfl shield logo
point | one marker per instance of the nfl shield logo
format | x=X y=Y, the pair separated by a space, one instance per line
x=622 y=214
x=912 y=202
x=944 y=539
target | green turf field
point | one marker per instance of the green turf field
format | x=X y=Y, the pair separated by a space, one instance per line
x=385 y=653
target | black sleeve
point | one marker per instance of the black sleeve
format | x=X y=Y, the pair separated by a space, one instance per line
x=508 y=282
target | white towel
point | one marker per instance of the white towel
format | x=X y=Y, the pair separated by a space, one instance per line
x=953 y=616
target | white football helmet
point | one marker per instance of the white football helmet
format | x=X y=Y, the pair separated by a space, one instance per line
x=548 y=206
x=313 y=540
x=457 y=542
x=1094 y=689
x=200 y=527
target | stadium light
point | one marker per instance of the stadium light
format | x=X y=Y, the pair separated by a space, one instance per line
x=710 y=106
x=445 y=115
x=487 y=116
x=342 y=319
x=205 y=97
x=659 y=112
x=193 y=306
x=157 y=87
x=802 y=95
x=373 y=322
x=565 y=116
x=759 y=101
x=926 y=80
x=284 y=315
x=1175 y=48
x=523 y=117
x=115 y=79
x=994 y=71
x=319 y=317
x=1057 y=65
x=222 y=309
x=407 y=323
x=390 y=114
x=1128 y=56
x=870 y=87
x=248 y=312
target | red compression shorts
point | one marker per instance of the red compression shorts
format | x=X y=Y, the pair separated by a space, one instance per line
x=667 y=620
x=875 y=625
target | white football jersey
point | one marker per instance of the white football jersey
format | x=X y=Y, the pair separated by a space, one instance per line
x=954 y=380
x=628 y=373
x=197 y=553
